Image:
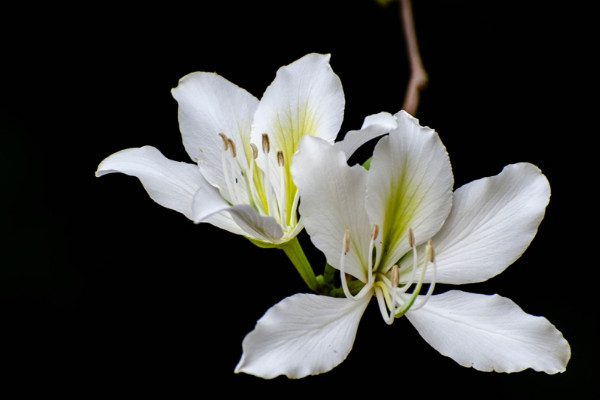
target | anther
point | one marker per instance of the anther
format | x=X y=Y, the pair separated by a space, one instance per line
x=254 y=151
x=225 y=141
x=431 y=252
x=280 y=159
x=374 y=231
x=346 y=241
x=411 y=238
x=395 y=276
x=266 y=146
x=232 y=147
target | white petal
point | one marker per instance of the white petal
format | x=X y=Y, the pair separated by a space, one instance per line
x=171 y=184
x=492 y=222
x=257 y=226
x=306 y=98
x=490 y=333
x=332 y=199
x=373 y=126
x=209 y=206
x=302 y=335
x=409 y=186
x=208 y=105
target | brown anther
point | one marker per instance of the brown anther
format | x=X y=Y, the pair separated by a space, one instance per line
x=280 y=160
x=254 y=151
x=266 y=146
x=411 y=238
x=225 y=141
x=374 y=231
x=232 y=147
x=346 y=241
x=431 y=252
x=395 y=275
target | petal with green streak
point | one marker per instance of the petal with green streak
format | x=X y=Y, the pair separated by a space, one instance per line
x=409 y=186
x=332 y=200
x=306 y=98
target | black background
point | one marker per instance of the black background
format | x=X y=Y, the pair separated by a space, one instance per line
x=103 y=291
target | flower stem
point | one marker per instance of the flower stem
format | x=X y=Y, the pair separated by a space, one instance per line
x=296 y=255
x=418 y=75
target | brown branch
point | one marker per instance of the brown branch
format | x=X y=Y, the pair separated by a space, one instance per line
x=418 y=76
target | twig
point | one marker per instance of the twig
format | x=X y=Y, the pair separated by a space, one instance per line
x=418 y=76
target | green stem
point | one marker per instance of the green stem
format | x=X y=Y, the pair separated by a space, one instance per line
x=294 y=251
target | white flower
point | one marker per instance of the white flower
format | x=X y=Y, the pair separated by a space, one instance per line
x=379 y=227
x=243 y=149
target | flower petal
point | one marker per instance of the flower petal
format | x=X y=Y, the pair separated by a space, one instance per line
x=208 y=105
x=490 y=333
x=409 y=186
x=302 y=335
x=332 y=199
x=373 y=126
x=492 y=222
x=306 y=98
x=209 y=206
x=171 y=184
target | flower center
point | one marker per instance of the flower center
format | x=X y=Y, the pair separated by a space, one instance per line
x=249 y=184
x=392 y=295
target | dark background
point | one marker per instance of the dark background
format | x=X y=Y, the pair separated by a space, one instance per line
x=104 y=291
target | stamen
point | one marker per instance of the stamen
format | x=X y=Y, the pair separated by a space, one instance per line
x=431 y=251
x=346 y=241
x=365 y=289
x=382 y=292
x=254 y=151
x=227 y=171
x=374 y=231
x=411 y=243
x=431 y=259
x=232 y=147
x=225 y=141
x=409 y=303
x=383 y=299
x=266 y=146
x=395 y=276
x=283 y=193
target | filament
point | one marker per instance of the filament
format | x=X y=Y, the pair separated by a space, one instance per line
x=365 y=289
x=431 y=259
x=282 y=202
x=408 y=303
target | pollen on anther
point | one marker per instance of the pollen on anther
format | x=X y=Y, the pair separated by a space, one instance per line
x=411 y=238
x=232 y=147
x=266 y=146
x=374 y=231
x=346 y=241
x=395 y=275
x=280 y=159
x=225 y=141
x=431 y=251
x=254 y=151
